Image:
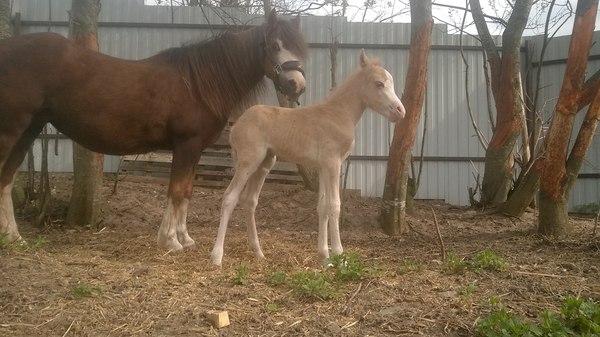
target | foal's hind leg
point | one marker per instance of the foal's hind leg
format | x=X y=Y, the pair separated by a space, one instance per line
x=249 y=201
x=9 y=164
x=172 y=234
x=244 y=168
x=329 y=210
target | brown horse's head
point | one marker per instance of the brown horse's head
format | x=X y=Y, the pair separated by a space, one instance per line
x=285 y=49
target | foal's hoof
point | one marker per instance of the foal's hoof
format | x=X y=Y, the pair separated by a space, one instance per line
x=170 y=244
x=188 y=243
x=216 y=258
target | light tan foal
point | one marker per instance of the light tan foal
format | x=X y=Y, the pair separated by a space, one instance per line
x=319 y=136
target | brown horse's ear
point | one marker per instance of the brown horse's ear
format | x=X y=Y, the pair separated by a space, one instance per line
x=296 y=21
x=272 y=18
x=364 y=59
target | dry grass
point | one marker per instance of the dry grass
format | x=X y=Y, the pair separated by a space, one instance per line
x=137 y=289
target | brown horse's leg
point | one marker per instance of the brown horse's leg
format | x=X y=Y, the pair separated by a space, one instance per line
x=172 y=234
x=249 y=201
x=8 y=168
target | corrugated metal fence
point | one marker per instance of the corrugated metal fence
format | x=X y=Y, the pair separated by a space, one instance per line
x=453 y=156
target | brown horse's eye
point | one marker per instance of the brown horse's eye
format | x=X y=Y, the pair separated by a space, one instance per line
x=379 y=84
x=276 y=46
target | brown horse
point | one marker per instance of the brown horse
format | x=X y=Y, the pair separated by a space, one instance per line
x=178 y=100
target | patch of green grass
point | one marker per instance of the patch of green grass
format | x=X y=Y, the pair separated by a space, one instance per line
x=453 y=264
x=22 y=245
x=502 y=323
x=3 y=241
x=577 y=317
x=83 y=290
x=582 y=316
x=271 y=307
x=324 y=284
x=485 y=260
x=411 y=266
x=312 y=285
x=277 y=278
x=40 y=242
x=241 y=275
x=348 y=267
x=467 y=290
x=488 y=260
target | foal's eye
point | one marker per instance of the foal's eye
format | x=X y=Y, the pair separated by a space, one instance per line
x=379 y=84
x=276 y=47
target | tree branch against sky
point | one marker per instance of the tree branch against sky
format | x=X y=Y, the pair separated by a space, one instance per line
x=443 y=11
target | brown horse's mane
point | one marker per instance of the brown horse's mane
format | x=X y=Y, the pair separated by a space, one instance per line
x=225 y=72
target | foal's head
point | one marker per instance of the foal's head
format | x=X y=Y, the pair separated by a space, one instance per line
x=285 y=49
x=378 y=89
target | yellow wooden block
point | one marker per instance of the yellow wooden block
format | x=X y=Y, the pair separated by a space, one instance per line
x=218 y=318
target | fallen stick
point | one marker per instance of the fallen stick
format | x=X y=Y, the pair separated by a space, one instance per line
x=439 y=235
x=351 y=298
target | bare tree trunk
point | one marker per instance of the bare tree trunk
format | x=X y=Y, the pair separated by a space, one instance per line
x=507 y=90
x=393 y=208
x=5 y=19
x=526 y=190
x=88 y=166
x=557 y=178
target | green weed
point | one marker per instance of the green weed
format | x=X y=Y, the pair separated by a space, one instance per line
x=312 y=285
x=82 y=290
x=488 y=260
x=467 y=290
x=277 y=278
x=3 y=241
x=454 y=264
x=348 y=267
x=271 y=307
x=411 y=266
x=577 y=317
x=241 y=275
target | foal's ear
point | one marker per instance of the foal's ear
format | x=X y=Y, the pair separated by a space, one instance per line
x=295 y=21
x=364 y=59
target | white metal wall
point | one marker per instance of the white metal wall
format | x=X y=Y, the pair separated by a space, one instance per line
x=453 y=154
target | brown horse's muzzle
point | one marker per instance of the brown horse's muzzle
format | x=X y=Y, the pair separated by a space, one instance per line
x=290 y=80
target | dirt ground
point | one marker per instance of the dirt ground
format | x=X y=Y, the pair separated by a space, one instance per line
x=135 y=288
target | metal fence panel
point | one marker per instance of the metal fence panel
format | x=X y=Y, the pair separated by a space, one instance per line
x=453 y=155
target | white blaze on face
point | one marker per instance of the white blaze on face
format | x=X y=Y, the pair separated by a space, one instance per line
x=283 y=56
x=395 y=108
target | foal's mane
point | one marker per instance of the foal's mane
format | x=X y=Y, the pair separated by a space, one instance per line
x=342 y=89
